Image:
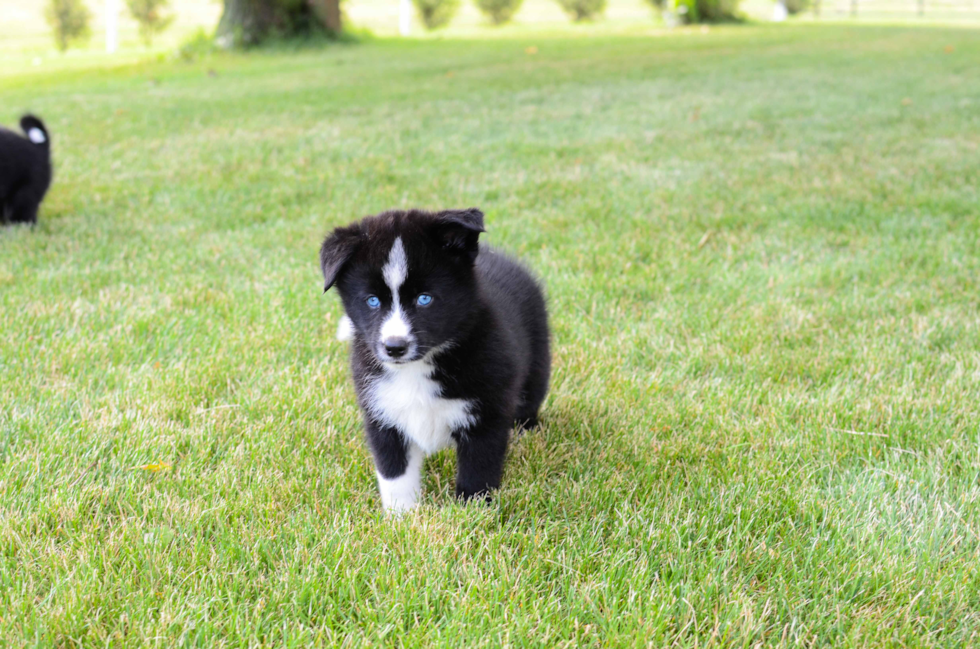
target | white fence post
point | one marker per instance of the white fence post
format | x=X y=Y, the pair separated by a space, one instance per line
x=111 y=26
x=404 y=17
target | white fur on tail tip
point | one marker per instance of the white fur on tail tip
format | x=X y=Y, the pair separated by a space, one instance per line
x=345 y=329
x=36 y=136
x=402 y=493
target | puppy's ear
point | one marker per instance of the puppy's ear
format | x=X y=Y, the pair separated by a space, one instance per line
x=336 y=251
x=458 y=231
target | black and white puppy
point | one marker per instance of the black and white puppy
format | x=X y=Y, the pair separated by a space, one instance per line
x=25 y=170
x=449 y=344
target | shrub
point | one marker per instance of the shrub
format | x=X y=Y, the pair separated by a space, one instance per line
x=707 y=11
x=149 y=15
x=196 y=46
x=70 y=21
x=581 y=10
x=499 y=11
x=794 y=7
x=436 y=13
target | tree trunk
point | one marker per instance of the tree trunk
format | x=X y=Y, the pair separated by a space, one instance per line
x=328 y=11
x=247 y=22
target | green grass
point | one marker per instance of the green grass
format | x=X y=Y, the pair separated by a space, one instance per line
x=762 y=252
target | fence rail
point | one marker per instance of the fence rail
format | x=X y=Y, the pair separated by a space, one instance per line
x=885 y=7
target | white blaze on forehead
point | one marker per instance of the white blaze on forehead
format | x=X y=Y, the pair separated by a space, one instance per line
x=36 y=136
x=394 y=272
x=395 y=326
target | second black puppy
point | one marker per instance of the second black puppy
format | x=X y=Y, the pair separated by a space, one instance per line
x=449 y=344
x=25 y=170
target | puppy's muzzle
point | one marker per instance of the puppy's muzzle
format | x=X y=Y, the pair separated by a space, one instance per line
x=395 y=347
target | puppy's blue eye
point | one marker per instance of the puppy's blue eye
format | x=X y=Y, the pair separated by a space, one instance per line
x=424 y=300
x=373 y=302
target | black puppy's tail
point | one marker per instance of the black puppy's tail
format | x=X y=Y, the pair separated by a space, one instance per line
x=35 y=131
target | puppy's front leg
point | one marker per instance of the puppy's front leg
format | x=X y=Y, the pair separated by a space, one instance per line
x=480 y=454
x=398 y=464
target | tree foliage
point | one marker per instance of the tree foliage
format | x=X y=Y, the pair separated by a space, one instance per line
x=150 y=16
x=794 y=7
x=581 y=10
x=499 y=11
x=70 y=21
x=707 y=11
x=436 y=13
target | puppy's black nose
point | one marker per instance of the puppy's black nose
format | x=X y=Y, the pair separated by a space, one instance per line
x=396 y=347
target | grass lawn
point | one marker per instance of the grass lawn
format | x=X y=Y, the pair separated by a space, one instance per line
x=762 y=253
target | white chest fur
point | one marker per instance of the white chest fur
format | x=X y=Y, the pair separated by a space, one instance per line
x=407 y=398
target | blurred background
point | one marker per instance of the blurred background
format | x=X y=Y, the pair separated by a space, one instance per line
x=758 y=226
x=26 y=37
